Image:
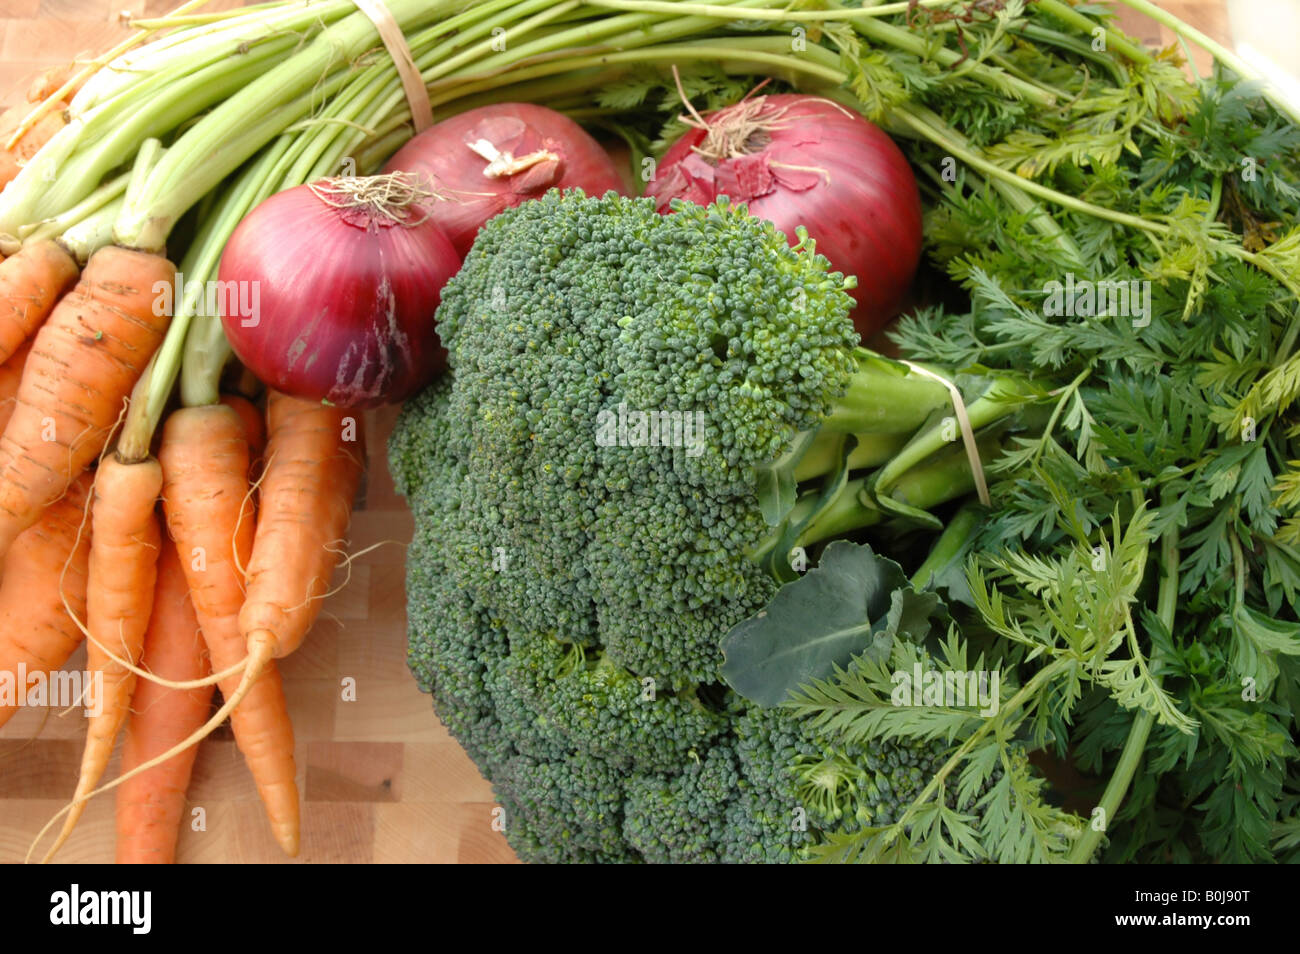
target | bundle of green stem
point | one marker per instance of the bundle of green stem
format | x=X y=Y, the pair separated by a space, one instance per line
x=310 y=84
x=1053 y=147
x=224 y=85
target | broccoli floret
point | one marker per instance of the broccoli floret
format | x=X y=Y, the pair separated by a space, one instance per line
x=568 y=312
x=773 y=825
x=570 y=581
x=563 y=810
x=682 y=818
x=606 y=711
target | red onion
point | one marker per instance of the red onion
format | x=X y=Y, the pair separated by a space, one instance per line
x=490 y=159
x=348 y=274
x=801 y=160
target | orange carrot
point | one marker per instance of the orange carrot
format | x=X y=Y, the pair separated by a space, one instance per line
x=254 y=425
x=119 y=600
x=13 y=160
x=36 y=632
x=11 y=374
x=82 y=367
x=150 y=805
x=205 y=497
x=314 y=461
x=51 y=81
x=31 y=283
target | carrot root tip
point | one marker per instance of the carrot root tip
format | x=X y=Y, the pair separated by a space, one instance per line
x=262 y=643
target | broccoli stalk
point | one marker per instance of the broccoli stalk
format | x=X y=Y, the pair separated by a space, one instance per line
x=912 y=461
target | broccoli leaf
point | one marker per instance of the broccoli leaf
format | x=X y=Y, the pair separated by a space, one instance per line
x=777 y=489
x=853 y=604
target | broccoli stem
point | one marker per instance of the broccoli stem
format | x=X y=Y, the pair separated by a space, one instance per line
x=884 y=406
x=943 y=476
x=884 y=397
x=927 y=482
x=998 y=403
x=954 y=539
x=851 y=510
x=823 y=454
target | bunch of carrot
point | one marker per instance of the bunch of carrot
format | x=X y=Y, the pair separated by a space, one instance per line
x=255 y=577
x=153 y=549
x=175 y=573
x=165 y=564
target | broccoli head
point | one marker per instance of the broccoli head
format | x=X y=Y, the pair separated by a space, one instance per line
x=585 y=484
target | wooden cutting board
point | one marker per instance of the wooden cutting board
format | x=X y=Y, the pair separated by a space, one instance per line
x=381 y=780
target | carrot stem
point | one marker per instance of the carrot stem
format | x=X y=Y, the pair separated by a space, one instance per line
x=95 y=202
x=85 y=73
x=92 y=233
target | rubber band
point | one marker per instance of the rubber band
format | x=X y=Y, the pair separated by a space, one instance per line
x=417 y=94
x=967 y=432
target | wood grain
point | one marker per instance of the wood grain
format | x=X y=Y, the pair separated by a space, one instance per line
x=381 y=779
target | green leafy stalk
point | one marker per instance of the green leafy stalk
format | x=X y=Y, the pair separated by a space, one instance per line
x=1221 y=53
x=1135 y=745
x=952 y=545
x=233 y=131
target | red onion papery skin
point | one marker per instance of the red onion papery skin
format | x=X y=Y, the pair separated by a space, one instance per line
x=866 y=219
x=455 y=171
x=347 y=299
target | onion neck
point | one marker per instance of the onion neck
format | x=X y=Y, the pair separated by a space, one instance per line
x=372 y=202
x=739 y=130
x=502 y=165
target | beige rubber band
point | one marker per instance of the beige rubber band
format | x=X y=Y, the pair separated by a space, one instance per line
x=967 y=432
x=417 y=95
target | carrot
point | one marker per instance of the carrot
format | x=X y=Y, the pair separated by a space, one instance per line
x=312 y=473
x=205 y=497
x=52 y=80
x=119 y=600
x=254 y=425
x=85 y=360
x=150 y=805
x=11 y=374
x=13 y=159
x=36 y=632
x=31 y=283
